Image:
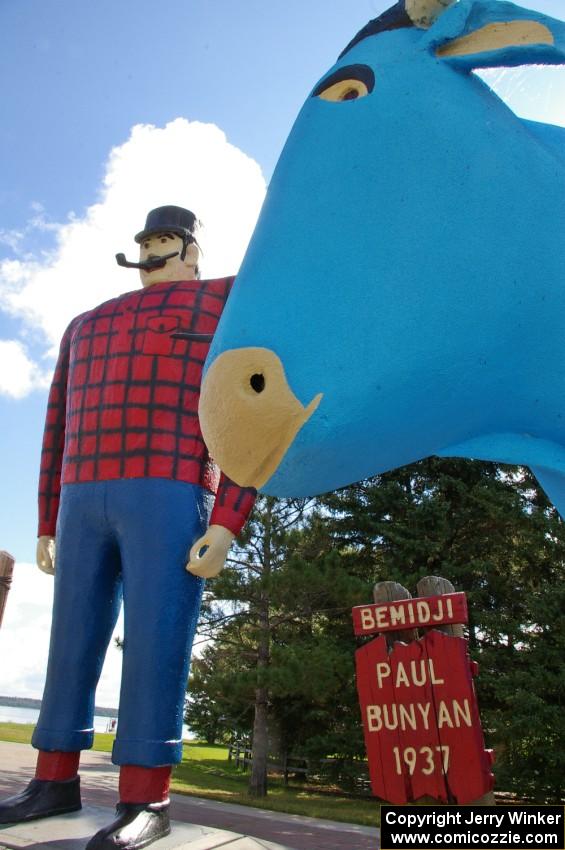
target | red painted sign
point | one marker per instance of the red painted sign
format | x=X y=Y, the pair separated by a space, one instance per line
x=410 y=613
x=421 y=720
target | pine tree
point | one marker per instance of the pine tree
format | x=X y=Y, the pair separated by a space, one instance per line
x=284 y=651
x=218 y=705
x=490 y=530
x=280 y=612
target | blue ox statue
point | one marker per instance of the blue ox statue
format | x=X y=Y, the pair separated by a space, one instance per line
x=404 y=292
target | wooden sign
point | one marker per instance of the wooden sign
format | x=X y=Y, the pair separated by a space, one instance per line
x=421 y=720
x=427 y=612
x=6 y=570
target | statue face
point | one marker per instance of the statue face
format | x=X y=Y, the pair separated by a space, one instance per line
x=159 y=244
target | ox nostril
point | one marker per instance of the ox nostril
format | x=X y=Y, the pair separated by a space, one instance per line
x=257 y=382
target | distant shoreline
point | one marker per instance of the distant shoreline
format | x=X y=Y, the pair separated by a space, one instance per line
x=25 y=702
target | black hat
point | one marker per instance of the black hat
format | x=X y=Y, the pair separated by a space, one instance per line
x=169 y=220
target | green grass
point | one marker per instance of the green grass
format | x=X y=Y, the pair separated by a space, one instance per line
x=17 y=733
x=20 y=733
x=206 y=772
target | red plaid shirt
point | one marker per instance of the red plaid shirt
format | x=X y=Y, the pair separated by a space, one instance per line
x=124 y=398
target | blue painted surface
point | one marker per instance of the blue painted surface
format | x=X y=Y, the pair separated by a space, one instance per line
x=409 y=263
x=125 y=539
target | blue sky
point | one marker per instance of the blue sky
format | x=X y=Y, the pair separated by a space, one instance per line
x=212 y=88
x=82 y=75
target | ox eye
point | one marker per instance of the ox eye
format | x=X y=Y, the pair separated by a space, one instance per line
x=349 y=83
x=345 y=90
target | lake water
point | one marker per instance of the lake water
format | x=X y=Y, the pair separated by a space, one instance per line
x=13 y=714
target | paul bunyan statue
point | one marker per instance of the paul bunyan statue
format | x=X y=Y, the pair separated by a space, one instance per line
x=128 y=490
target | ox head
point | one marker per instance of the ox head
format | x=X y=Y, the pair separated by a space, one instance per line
x=404 y=218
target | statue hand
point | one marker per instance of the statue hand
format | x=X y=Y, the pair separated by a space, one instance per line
x=209 y=553
x=45 y=554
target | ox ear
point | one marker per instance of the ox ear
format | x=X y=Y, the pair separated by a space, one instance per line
x=491 y=33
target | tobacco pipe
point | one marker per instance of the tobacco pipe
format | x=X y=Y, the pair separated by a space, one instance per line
x=146 y=265
x=192 y=336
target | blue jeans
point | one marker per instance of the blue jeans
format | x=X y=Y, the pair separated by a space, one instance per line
x=128 y=538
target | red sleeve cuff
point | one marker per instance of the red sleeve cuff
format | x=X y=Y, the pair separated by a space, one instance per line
x=228 y=518
x=46 y=529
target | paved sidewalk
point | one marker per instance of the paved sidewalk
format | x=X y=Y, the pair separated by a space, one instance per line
x=71 y=832
x=99 y=789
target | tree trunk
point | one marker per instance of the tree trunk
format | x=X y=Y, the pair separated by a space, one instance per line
x=260 y=743
x=258 y=778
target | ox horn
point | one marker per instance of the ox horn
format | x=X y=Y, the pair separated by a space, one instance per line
x=423 y=13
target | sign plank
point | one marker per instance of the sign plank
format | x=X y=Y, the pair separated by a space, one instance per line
x=420 y=753
x=469 y=774
x=421 y=721
x=380 y=741
x=410 y=613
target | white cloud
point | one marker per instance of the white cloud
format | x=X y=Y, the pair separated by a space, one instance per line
x=19 y=375
x=24 y=640
x=190 y=164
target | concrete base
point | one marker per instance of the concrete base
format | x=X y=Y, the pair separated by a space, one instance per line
x=227 y=822
x=72 y=832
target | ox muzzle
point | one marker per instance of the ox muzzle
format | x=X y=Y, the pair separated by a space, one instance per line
x=249 y=415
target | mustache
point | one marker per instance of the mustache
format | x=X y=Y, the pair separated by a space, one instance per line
x=147 y=265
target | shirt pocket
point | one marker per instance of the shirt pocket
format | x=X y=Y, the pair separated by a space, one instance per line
x=157 y=337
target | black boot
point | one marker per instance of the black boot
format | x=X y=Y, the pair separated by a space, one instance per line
x=137 y=825
x=41 y=799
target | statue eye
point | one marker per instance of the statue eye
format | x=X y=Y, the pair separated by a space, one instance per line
x=349 y=83
x=345 y=90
